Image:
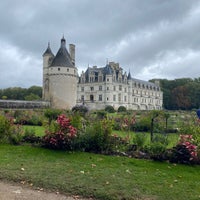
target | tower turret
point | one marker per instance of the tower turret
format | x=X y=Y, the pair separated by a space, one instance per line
x=63 y=79
x=47 y=59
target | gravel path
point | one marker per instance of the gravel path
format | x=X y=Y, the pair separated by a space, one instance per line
x=11 y=191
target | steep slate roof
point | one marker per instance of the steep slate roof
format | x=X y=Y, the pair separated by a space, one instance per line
x=62 y=57
x=48 y=51
x=129 y=76
x=108 y=70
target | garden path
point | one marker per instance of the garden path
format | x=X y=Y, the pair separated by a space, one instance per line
x=11 y=191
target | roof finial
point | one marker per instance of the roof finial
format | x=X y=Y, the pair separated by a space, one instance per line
x=106 y=61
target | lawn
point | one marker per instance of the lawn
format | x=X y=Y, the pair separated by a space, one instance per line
x=173 y=138
x=38 y=130
x=99 y=176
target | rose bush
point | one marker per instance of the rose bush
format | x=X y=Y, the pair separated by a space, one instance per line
x=63 y=135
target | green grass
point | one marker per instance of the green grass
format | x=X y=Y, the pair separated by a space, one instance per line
x=38 y=130
x=102 y=177
x=172 y=137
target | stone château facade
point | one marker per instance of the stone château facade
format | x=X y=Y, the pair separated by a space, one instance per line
x=97 y=87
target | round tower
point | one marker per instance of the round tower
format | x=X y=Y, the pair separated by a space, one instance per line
x=63 y=78
x=47 y=59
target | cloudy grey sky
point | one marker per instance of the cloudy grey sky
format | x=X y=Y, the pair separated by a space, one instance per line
x=151 y=38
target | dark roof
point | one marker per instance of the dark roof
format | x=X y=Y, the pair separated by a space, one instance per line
x=129 y=76
x=108 y=70
x=48 y=51
x=62 y=57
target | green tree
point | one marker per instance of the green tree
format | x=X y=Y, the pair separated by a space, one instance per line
x=32 y=97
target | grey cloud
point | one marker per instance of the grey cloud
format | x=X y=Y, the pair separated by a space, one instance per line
x=140 y=35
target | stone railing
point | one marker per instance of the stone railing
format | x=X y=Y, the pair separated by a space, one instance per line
x=19 y=104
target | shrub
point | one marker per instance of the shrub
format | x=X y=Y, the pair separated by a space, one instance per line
x=97 y=137
x=30 y=137
x=185 y=151
x=52 y=114
x=143 y=125
x=121 y=109
x=16 y=134
x=101 y=114
x=9 y=132
x=5 y=127
x=81 y=109
x=109 y=109
x=157 y=151
x=139 y=140
x=62 y=136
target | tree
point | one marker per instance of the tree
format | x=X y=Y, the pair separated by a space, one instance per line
x=32 y=97
x=181 y=98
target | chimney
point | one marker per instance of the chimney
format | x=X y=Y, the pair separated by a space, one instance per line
x=72 y=53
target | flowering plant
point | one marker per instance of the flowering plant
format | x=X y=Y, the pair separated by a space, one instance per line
x=63 y=136
x=185 y=151
x=187 y=140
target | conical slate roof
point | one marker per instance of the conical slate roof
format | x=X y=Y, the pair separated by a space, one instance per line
x=48 y=51
x=129 y=76
x=62 y=57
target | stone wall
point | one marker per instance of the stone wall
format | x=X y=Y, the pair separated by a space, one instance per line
x=18 y=104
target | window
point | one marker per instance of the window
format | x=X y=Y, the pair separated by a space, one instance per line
x=120 y=87
x=91 y=98
x=114 y=97
x=107 y=98
x=92 y=88
x=107 y=88
x=125 y=98
x=100 y=88
x=119 y=97
x=82 y=97
x=100 y=97
x=124 y=89
x=67 y=69
x=108 y=79
x=59 y=69
x=82 y=89
x=114 y=88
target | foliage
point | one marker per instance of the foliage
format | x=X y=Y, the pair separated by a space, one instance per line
x=81 y=109
x=52 y=114
x=139 y=140
x=97 y=137
x=157 y=147
x=16 y=134
x=77 y=121
x=5 y=128
x=109 y=109
x=30 y=136
x=143 y=124
x=185 y=151
x=180 y=93
x=9 y=132
x=32 y=97
x=121 y=109
x=28 y=117
x=18 y=93
x=63 y=135
x=101 y=114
